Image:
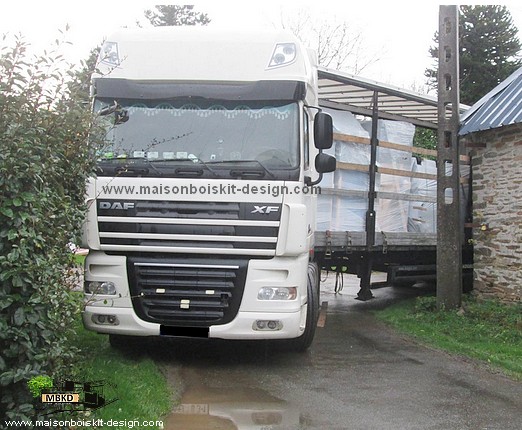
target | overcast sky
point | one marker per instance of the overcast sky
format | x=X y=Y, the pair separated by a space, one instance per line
x=398 y=34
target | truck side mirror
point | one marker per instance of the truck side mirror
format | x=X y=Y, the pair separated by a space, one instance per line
x=325 y=163
x=323 y=131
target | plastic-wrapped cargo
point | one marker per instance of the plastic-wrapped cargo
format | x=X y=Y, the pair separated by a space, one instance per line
x=348 y=213
x=338 y=212
x=343 y=203
x=392 y=214
x=325 y=200
x=423 y=214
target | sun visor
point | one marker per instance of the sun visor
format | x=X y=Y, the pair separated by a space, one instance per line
x=153 y=90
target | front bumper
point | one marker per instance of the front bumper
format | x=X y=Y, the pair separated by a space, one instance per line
x=290 y=315
x=241 y=327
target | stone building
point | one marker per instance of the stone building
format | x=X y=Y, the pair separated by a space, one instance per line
x=492 y=129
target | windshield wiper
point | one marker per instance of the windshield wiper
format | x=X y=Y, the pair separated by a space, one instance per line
x=245 y=171
x=128 y=168
x=120 y=115
x=195 y=161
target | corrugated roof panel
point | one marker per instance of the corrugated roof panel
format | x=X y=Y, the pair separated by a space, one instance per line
x=514 y=111
x=501 y=106
x=342 y=91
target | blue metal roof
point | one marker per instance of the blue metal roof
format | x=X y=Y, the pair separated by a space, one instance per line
x=501 y=106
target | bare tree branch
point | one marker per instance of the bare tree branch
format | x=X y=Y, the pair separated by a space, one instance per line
x=337 y=43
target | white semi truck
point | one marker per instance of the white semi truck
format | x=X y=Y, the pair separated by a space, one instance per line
x=201 y=216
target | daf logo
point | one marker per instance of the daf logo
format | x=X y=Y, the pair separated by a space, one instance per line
x=116 y=205
x=264 y=209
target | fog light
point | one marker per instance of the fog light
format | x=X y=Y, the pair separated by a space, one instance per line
x=277 y=293
x=106 y=288
x=101 y=319
x=267 y=325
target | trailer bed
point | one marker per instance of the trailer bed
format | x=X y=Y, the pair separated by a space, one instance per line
x=345 y=241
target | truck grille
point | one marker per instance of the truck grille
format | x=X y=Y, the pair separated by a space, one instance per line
x=186 y=292
x=223 y=228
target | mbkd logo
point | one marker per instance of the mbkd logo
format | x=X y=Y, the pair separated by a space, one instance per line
x=116 y=205
x=264 y=209
x=60 y=398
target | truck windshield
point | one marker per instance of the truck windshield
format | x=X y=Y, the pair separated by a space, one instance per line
x=203 y=132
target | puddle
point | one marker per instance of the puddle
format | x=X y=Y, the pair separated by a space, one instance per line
x=230 y=409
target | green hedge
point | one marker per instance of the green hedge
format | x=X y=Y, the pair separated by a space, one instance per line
x=44 y=163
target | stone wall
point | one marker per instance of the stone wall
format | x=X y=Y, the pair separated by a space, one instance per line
x=497 y=207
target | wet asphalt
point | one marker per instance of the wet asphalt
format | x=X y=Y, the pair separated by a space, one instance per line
x=358 y=374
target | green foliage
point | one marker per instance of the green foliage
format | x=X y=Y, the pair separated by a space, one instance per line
x=425 y=304
x=425 y=138
x=130 y=376
x=38 y=384
x=486 y=330
x=489 y=50
x=81 y=79
x=44 y=164
x=175 y=15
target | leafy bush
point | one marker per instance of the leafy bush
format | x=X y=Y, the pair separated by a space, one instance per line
x=44 y=164
x=38 y=384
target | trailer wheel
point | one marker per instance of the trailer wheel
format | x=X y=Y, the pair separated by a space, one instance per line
x=303 y=342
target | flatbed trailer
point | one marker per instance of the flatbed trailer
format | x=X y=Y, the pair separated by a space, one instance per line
x=405 y=256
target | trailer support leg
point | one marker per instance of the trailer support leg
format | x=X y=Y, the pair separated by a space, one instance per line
x=365 y=268
x=365 y=275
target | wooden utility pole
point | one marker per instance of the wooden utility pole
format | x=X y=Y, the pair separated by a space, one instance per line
x=449 y=229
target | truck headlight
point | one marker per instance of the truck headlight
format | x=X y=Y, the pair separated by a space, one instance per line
x=106 y=288
x=109 y=54
x=284 y=53
x=277 y=293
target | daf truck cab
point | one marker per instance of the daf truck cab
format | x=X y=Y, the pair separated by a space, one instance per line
x=201 y=215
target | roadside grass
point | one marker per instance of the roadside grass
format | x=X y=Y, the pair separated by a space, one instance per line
x=134 y=379
x=78 y=259
x=131 y=377
x=488 y=331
